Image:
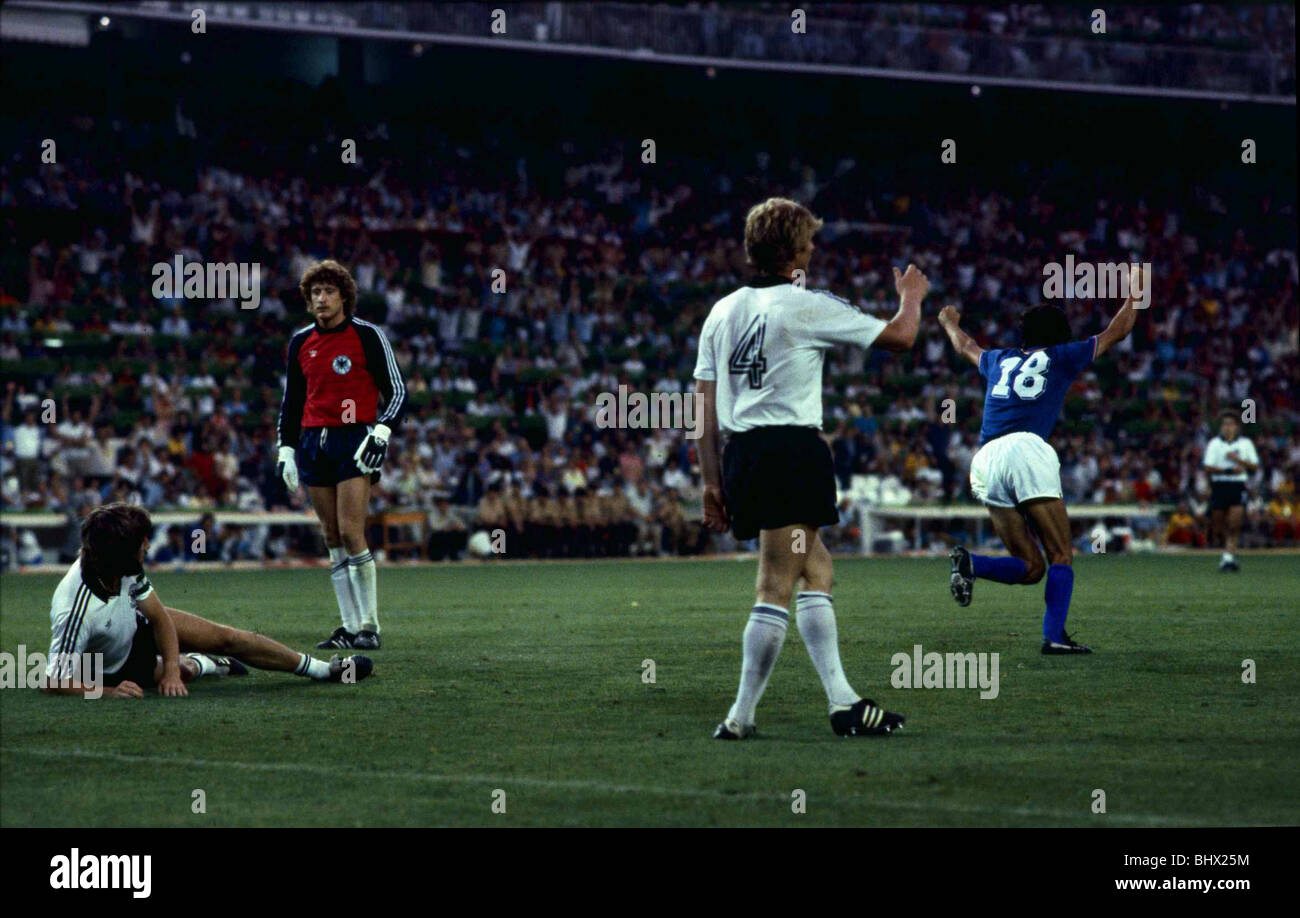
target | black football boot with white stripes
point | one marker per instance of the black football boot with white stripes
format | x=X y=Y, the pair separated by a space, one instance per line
x=865 y=718
x=341 y=639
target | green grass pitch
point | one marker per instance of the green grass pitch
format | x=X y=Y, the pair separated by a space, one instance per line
x=527 y=678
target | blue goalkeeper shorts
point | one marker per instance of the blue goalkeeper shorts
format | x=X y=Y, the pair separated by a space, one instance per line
x=326 y=455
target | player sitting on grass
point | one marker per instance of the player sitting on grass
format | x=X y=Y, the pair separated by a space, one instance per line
x=105 y=604
x=1016 y=473
x=759 y=379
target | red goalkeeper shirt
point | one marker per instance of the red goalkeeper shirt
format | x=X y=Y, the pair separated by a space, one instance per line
x=339 y=376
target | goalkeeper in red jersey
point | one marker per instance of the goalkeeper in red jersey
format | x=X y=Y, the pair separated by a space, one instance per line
x=333 y=436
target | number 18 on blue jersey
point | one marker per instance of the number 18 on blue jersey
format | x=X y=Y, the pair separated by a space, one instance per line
x=1025 y=389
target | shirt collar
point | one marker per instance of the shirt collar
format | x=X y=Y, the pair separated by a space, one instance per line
x=347 y=320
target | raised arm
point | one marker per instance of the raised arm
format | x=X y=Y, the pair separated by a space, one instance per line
x=1122 y=324
x=962 y=343
x=900 y=333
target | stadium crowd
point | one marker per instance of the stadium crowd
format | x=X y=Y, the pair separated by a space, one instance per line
x=114 y=393
x=1249 y=47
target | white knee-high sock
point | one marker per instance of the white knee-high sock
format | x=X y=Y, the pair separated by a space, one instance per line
x=362 y=573
x=816 y=620
x=764 y=636
x=312 y=668
x=349 y=610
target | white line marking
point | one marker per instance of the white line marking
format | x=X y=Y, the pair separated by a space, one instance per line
x=598 y=787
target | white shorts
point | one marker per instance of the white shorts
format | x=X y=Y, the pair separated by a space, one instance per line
x=1015 y=468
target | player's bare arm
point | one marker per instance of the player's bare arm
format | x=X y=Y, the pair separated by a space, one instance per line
x=962 y=343
x=715 y=508
x=164 y=630
x=1122 y=324
x=900 y=333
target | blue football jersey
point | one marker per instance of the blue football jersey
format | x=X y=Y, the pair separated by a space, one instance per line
x=1025 y=389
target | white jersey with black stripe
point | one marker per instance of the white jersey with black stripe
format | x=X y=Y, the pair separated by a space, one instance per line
x=81 y=622
x=1219 y=454
x=765 y=344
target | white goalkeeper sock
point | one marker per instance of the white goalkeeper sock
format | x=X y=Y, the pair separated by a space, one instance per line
x=349 y=611
x=762 y=642
x=816 y=621
x=362 y=573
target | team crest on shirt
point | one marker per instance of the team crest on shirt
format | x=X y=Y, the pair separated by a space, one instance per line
x=342 y=364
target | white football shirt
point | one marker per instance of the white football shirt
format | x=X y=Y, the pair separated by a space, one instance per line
x=765 y=345
x=81 y=622
x=1217 y=452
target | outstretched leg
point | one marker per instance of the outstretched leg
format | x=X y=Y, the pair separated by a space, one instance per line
x=199 y=634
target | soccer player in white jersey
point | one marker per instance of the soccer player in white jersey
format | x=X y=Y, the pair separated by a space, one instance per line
x=105 y=604
x=1230 y=460
x=759 y=379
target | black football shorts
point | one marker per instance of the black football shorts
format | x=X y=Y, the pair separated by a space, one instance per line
x=778 y=476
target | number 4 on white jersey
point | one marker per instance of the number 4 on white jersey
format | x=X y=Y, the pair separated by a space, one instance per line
x=747 y=357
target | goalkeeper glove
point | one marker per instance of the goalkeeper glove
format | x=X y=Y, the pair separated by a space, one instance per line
x=287 y=468
x=370 y=454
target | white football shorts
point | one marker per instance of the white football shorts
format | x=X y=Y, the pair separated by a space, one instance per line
x=1014 y=468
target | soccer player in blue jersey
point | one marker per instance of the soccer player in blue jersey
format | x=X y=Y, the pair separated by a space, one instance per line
x=1016 y=472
